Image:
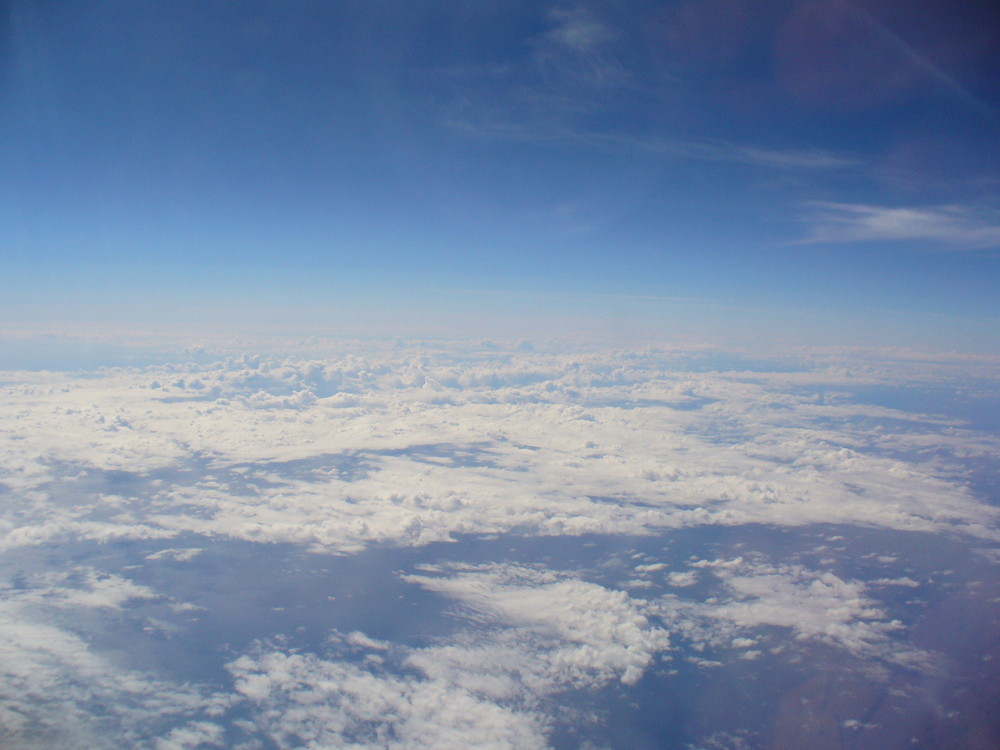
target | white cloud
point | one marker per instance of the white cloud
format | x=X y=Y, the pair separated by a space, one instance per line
x=360 y=640
x=495 y=127
x=716 y=150
x=682 y=579
x=597 y=634
x=82 y=587
x=180 y=555
x=56 y=692
x=901 y=581
x=198 y=734
x=578 y=29
x=305 y=701
x=954 y=227
x=410 y=446
x=531 y=634
x=581 y=66
x=813 y=605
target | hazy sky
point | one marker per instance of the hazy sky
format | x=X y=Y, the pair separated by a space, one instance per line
x=701 y=166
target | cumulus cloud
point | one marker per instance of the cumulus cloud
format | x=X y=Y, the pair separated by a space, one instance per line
x=532 y=633
x=303 y=700
x=412 y=447
x=597 y=634
x=180 y=555
x=812 y=605
x=197 y=734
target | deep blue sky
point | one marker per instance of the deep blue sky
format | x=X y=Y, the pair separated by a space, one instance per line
x=342 y=162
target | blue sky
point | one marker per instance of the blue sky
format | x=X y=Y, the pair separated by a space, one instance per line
x=709 y=167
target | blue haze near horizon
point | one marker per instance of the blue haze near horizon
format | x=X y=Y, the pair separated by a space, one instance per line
x=362 y=163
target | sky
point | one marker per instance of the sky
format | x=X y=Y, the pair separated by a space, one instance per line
x=303 y=436
x=812 y=171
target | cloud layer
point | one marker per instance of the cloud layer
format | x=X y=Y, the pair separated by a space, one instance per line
x=416 y=447
x=409 y=447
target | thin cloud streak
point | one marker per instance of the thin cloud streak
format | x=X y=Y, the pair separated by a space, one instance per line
x=576 y=69
x=752 y=155
x=667 y=147
x=955 y=227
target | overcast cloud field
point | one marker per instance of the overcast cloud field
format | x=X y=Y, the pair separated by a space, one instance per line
x=388 y=544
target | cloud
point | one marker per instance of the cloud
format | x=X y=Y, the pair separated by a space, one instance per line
x=578 y=52
x=588 y=68
x=415 y=446
x=697 y=149
x=724 y=151
x=816 y=606
x=775 y=158
x=578 y=29
x=599 y=634
x=404 y=445
x=180 y=555
x=954 y=227
x=81 y=587
x=303 y=700
x=56 y=692
x=198 y=734
x=531 y=634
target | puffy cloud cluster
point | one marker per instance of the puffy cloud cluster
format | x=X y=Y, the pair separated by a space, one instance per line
x=813 y=605
x=600 y=634
x=418 y=445
x=304 y=701
x=532 y=633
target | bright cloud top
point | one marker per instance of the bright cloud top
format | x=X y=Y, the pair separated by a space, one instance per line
x=417 y=447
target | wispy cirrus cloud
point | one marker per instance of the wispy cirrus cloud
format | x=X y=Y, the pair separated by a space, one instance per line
x=731 y=151
x=580 y=46
x=498 y=126
x=953 y=227
x=580 y=67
